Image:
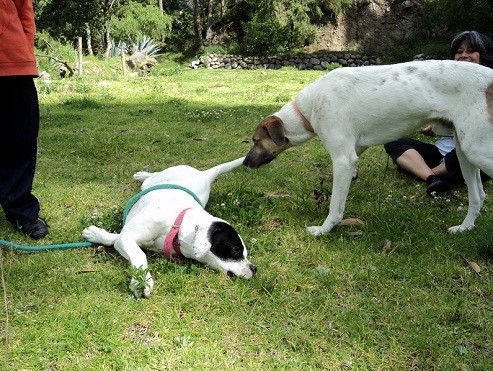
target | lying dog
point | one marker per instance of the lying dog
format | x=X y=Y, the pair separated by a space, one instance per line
x=354 y=108
x=170 y=218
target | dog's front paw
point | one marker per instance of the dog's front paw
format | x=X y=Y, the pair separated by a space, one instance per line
x=460 y=228
x=142 y=286
x=316 y=230
x=90 y=233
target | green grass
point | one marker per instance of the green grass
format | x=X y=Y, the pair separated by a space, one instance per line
x=338 y=301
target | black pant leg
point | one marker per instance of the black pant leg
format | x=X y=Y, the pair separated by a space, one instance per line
x=19 y=127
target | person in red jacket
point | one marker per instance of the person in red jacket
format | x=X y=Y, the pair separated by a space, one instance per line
x=19 y=117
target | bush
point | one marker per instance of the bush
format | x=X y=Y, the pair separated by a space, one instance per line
x=459 y=15
x=48 y=50
x=136 y=20
x=278 y=28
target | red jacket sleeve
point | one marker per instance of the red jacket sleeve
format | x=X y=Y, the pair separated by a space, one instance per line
x=26 y=16
x=17 y=30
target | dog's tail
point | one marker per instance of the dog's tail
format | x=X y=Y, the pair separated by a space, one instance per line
x=215 y=171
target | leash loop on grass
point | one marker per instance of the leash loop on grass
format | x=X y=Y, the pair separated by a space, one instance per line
x=45 y=247
x=129 y=205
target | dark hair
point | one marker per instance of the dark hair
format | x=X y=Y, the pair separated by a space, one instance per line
x=478 y=42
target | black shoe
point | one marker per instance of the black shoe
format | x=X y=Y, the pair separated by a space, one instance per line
x=438 y=185
x=36 y=229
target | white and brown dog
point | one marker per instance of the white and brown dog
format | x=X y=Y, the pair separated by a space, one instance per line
x=354 y=108
x=170 y=217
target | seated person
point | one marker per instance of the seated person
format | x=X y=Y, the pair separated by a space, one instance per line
x=437 y=164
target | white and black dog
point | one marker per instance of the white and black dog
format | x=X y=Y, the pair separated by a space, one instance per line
x=169 y=217
x=353 y=108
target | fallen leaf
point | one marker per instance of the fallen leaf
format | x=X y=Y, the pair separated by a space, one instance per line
x=322 y=271
x=356 y=233
x=473 y=265
x=386 y=245
x=354 y=222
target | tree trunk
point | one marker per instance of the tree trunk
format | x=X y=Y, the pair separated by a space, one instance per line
x=107 y=41
x=107 y=7
x=79 y=55
x=197 y=25
x=88 y=42
x=208 y=31
x=160 y=5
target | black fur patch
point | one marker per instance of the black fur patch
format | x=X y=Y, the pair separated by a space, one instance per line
x=226 y=244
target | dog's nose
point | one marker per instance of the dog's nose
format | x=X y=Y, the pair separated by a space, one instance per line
x=253 y=268
x=248 y=163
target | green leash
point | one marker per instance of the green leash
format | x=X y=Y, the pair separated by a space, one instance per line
x=129 y=205
x=45 y=247
x=135 y=198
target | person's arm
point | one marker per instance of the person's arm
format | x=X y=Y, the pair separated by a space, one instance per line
x=26 y=16
x=428 y=131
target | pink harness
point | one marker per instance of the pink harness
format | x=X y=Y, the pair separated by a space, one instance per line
x=171 y=242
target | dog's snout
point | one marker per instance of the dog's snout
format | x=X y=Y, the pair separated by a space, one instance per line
x=253 y=268
x=254 y=162
x=249 y=163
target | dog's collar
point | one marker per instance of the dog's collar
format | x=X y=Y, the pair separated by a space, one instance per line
x=171 y=242
x=306 y=123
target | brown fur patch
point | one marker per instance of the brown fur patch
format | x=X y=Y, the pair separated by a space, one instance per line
x=489 y=101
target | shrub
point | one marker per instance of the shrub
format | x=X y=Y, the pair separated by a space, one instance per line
x=278 y=27
x=136 y=20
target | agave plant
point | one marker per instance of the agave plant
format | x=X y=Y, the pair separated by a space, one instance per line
x=144 y=54
x=147 y=45
x=116 y=48
x=144 y=44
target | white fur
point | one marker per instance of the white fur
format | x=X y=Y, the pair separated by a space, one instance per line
x=351 y=109
x=152 y=216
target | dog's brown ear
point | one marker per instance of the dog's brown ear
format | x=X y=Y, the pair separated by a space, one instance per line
x=275 y=129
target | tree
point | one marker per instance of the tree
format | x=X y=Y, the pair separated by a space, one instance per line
x=67 y=20
x=104 y=20
x=459 y=15
x=278 y=26
x=197 y=24
x=136 y=20
x=208 y=29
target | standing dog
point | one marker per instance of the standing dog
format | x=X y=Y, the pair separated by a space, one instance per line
x=169 y=217
x=354 y=108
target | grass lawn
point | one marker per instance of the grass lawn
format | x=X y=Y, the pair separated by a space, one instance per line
x=343 y=301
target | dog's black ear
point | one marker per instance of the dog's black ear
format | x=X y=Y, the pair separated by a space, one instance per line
x=225 y=241
x=275 y=129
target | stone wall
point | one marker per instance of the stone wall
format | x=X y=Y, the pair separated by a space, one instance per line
x=302 y=62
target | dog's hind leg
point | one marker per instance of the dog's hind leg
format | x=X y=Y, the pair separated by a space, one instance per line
x=475 y=192
x=141 y=176
x=343 y=170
